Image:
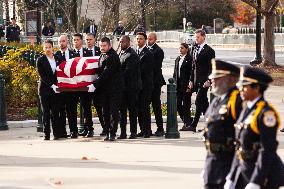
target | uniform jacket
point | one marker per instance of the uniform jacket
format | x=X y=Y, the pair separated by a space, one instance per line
x=60 y=57
x=221 y=117
x=97 y=51
x=182 y=76
x=110 y=77
x=256 y=131
x=47 y=77
x=158 y=54
x=131 y=70
x=86 y=53
x=147 y=68
x=202 y=65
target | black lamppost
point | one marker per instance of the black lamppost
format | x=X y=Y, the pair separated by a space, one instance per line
x=258 y=56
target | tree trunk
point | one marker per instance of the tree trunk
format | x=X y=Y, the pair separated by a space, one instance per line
x=7 y=12
x=269 y=49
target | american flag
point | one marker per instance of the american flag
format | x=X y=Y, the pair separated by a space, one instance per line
x=77 y=72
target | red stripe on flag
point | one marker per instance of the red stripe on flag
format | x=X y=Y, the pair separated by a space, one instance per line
x=73 y=66
x=73 y=86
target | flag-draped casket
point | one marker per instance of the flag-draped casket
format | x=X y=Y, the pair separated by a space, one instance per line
x=77 y=72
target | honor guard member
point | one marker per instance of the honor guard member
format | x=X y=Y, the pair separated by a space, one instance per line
x=221 y=116
x=85 y=97
x=256 y=164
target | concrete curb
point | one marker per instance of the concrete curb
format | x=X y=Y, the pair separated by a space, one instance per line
x=33 y=123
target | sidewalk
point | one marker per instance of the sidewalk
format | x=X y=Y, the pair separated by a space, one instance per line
x=28 y=162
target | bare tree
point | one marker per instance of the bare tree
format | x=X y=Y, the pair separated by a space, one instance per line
x=268 y=11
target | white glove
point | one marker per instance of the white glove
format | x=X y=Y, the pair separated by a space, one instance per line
x=91 y=89
x=206 y=84
x=190 y=85
x=54 y=87
x=229 y=184
x=252 y=186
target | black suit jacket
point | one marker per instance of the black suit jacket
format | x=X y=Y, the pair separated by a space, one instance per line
x=201 y=67
x=97 y=51
x=58 y=54
x=110 y=76
x=131 y=70
x=158 y=54
x=147 y=68
x=87 y=30
x=86 y=53
x=47 y=77
x=182 y=75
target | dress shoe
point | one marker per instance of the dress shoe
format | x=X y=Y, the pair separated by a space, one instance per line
x=159 y=133
x=122 y=137
x=90 y=134
x=132 y=136
x=106 y=139
x=62 y=136
x=282 y=130
x=55 y=138
x=190 y=128
x=103 y=133
x=140 y=134
x=46 y=137
x=183 y=128
x=147 y=135
x=84 y=133
x=112 y=138
x=74 y=135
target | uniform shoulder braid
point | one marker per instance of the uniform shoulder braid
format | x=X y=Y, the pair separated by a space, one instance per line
x=269 y=116
x=232 y=103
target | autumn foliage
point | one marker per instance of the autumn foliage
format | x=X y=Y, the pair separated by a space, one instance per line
x=244 y=14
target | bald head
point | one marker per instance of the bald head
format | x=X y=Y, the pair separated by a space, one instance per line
x=63 y=41
x=152 y=38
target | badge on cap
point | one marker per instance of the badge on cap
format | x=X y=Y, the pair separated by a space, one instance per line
x=269 y=119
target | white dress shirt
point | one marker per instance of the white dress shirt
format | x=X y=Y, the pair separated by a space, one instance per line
x=180 y=62
x=201 y=47
x=92 y=50
x=81 y=51
x=66 y=54
x=250 y=104
x=52 y=63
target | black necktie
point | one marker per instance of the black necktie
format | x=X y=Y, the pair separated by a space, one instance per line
x=63 y=56
x=78 y=52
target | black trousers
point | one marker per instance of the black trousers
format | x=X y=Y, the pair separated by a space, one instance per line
x=97 y=101
x=129 y=102
x=156 y=104
x=183 y=106
x=201 y=103
x=243 y=181
x=144 y=114
x=111 y=106
x=86 y=103
x=50 y=110
x=69 y=104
